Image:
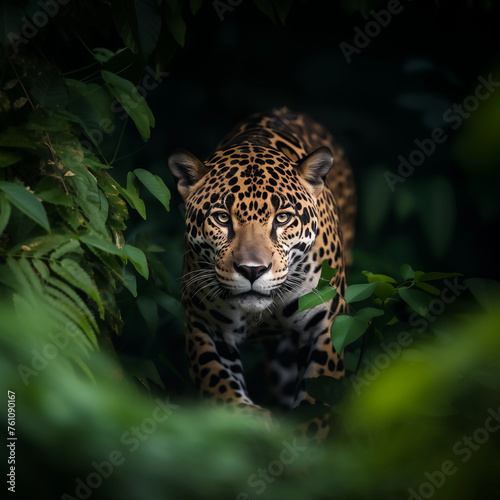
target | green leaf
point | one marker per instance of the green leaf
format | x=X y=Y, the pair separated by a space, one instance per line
x=93 y=204
x=325 y=389
x=126 y=25
x=177 y=28
x=155 y=186
x=356 y=293
x=160 y=272
x=169 y=303
x=118 y=211
x=102 y=55
x=129 y=281
x=100 y=243
x=435 y=276
x=50 y=89
x=143 y=370
x=380 y=278
x=407 y=272
x=149 y=311
x=384 y=290
x=485 y=291
x=418 y=275
x=195 y=5
x=92 y=104
x=164 y=360
x=393 y=321
x=346 y=329
x=8 y=158
x=138 y=259
x=19 y=137
x=131 y=194
x=44 y=119
x=26 y=202
x=282 y=8
x=132 y=101
x=428 y=288
x=139 y=24
x=135 y=255
x=327 y=274
x=56 y=196
x=267 y=8
x=148 y=26
x=319 y=296
x=132 y=184
x=417 y=300
x=5 y=211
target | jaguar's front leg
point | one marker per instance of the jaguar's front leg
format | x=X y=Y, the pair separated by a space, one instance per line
x=216 y=369
x=317 y=357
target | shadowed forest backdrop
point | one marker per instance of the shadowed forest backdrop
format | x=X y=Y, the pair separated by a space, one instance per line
x=94 y=96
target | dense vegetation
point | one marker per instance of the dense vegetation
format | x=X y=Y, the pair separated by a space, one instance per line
x=94 y=95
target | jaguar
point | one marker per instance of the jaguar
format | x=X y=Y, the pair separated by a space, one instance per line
x=273 y=202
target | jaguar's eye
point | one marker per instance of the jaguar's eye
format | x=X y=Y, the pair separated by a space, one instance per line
x=222 y=218
x=282 y=218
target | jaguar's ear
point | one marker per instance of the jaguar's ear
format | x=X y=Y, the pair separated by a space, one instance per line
x=314 y=167
x=187 y=169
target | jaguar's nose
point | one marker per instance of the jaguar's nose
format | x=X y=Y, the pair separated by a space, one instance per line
x=251 y=273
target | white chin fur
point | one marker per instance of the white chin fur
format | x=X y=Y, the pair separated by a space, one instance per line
x=251 y=303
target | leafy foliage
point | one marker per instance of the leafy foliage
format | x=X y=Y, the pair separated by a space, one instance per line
x=402 y=313
x=62 y=215
x=347 y=328
x=389 y=303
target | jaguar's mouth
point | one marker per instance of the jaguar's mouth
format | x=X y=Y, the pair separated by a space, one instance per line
x=251 y=301
x=251 y=293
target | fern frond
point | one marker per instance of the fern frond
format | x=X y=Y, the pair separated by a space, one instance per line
x=85 y=368
x=20 y=282
x=74 y=274
x=71 y=329
x=7 y=277
x=41 y=245
x=69 y=247
x=31 y=275
x=41 y=268
x=61 y=302
x=63 y=287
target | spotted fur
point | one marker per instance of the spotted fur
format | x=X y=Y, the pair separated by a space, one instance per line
x=272 y=202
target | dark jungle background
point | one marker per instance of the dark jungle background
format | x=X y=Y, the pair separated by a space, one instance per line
x=94 y=96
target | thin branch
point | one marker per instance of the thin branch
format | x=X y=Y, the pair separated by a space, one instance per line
x=21 y=83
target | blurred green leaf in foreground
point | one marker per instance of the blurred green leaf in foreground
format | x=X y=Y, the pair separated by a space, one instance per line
x=427 y=422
